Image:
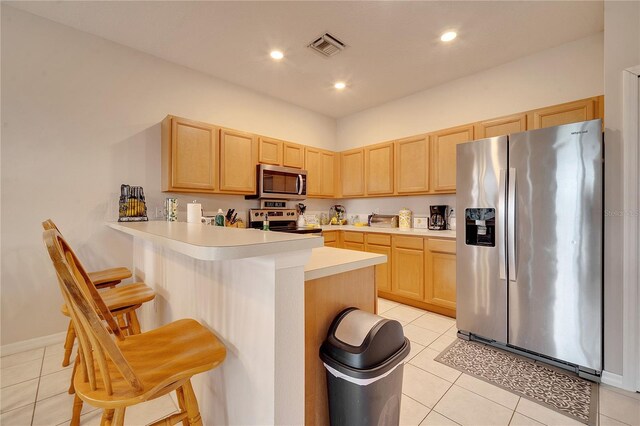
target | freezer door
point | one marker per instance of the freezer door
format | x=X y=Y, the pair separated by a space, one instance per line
x=481 y=288
x=555 y=226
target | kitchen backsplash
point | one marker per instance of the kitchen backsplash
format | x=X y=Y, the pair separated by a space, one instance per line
x=418 y=204
x=361 y=207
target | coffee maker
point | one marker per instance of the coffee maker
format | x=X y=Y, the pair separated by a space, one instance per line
x=437 y=218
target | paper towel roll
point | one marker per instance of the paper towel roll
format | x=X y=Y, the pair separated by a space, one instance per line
x=194 y=212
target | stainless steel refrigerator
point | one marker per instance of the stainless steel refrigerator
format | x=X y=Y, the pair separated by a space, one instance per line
x=529 y=246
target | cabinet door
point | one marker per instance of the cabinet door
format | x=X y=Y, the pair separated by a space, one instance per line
x=412 y=165
x=501 y=126
x=238 y=159
x=190 y=152
x=330 y=238
x=408 y=269
x=270 y=151
x=352 y=167
x=293 y=155
x=327 y=162
x=378 y=160
x=571 y=112
x=313 y=162
x=444 y=156
x=440 y=266
x=383 y=271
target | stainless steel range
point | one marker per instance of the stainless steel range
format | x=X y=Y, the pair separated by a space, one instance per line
x=280 y=220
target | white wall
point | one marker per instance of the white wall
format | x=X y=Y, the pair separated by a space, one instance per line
x=81 y=116
x=562 y=74
x=622 y=50
x=566 y=73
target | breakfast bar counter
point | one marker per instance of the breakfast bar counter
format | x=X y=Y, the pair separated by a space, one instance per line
x=266 y=295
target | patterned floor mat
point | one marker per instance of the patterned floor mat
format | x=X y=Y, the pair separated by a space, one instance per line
x=561 y=391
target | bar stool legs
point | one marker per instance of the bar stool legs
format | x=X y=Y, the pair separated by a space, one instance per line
x=190 y=405
x=68 y=345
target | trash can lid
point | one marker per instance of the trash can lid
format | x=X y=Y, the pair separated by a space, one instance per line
x=363 y=341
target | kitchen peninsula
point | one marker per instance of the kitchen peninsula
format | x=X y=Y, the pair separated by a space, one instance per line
x=268 y=296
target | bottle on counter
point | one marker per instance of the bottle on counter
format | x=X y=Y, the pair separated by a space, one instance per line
x=220 y=218
x=265 y=223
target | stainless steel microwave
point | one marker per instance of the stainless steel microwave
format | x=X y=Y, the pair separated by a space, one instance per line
x=282 y=183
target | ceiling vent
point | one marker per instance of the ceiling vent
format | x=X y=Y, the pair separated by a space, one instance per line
x=327 y=45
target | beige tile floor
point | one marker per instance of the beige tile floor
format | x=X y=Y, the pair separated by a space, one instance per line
x=434 y=394
x=34 y=388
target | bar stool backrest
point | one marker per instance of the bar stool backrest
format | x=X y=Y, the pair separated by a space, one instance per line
x=89 y=314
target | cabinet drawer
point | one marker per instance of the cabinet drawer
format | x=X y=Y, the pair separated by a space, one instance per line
x=353 y=237
x=442 y=246
x=379 y=239
x=353 y=246
x=330 y=236
x=415 y=243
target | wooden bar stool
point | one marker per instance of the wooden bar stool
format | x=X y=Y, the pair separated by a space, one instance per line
x=106 y=278
x=121 y=302
x=118 y=371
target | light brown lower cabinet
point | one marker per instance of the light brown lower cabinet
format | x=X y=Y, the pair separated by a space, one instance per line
x=420 y=271
x=383 y=271
x=440 y=268
x=408 y=267
x=330 y=239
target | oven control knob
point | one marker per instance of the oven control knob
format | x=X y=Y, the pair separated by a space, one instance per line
x=256 y=213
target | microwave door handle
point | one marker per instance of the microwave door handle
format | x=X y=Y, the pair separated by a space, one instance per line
x=299 y=184
x=511 y=226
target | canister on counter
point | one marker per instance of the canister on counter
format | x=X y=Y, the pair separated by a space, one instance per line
x=171 y=209
x=404 y=219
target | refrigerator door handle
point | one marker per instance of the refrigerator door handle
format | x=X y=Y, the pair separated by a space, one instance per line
x=502 y=224
x=511 y=224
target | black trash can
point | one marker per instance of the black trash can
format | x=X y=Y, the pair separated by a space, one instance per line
x=363 y=355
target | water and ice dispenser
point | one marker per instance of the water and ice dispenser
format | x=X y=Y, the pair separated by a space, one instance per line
x=480 y=227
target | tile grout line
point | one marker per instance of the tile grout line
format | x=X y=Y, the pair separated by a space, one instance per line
x=35 y=402
x=416 y=401
x=513 y=412
x=482 y=396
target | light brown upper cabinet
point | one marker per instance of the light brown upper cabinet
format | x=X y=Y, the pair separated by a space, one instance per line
x=329 y=165
x=501 y=126
x=352 y=167
x=443 y=160
x=320 y=166
x=280 y=153
x=238 y=159
x=189 y=155
x=270 y=151
x=412 y=164
x=378 y=160
x=440 y=267
x=292 y=155
x=571 y=112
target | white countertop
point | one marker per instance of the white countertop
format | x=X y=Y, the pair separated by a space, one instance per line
x=327 y=261
x=398 y=231
x=207 y=242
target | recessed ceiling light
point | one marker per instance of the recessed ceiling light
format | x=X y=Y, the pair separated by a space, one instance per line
x=277 y=55
x=340 y=85
x=448 y=36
